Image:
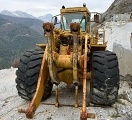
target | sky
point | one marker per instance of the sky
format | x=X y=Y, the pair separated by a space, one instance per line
x=42 y=7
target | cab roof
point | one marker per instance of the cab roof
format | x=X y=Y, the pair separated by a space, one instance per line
x=74 y=9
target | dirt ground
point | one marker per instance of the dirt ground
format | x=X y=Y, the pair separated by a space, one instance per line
x=10 y=102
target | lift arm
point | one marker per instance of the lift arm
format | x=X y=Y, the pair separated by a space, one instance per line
x=84 y=113
x=42 y=80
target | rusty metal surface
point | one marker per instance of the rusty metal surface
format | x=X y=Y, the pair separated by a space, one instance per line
x=75 y=58
x=66 y=75
x=57 y=97
x=75 y=30
x=48 y=31
x=84 y=77
x=63 y=61
x=76 y=97
x=84 y=113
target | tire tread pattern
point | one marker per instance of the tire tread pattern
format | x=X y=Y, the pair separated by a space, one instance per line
x=27 y=75
x=105 y=74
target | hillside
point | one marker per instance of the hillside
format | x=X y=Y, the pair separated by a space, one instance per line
x=20 y=14
x=15 y=38
x=46 y=18
x=35 y=24
x=118 y=7
x=17 y=14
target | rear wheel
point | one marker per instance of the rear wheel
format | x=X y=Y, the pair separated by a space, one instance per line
x=27 y=75
x=105 y=74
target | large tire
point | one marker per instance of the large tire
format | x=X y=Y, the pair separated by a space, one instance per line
x=27 y=75
x=105 y=78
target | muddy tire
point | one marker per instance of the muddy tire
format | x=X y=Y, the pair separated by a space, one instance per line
x=27 y=75
x=105 y=78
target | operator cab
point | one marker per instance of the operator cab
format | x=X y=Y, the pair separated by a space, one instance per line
x=77 y=14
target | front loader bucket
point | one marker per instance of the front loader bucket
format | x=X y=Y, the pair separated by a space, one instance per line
x=42 y=80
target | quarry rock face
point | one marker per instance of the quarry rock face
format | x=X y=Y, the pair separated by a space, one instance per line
x=118 y=7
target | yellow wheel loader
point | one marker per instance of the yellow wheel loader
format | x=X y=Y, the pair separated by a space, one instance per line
x=74 y=54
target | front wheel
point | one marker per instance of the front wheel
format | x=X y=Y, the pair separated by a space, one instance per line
x=105 y=78
x=28 y=73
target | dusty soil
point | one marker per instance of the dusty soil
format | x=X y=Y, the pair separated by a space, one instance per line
x=10 y=102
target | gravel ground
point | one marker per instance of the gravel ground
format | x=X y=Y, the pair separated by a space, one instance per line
x=10 y=102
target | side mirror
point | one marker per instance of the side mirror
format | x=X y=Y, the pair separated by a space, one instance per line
x=55 y=20
x=96 y=18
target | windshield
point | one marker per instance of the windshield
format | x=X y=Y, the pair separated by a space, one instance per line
x=70 y=18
